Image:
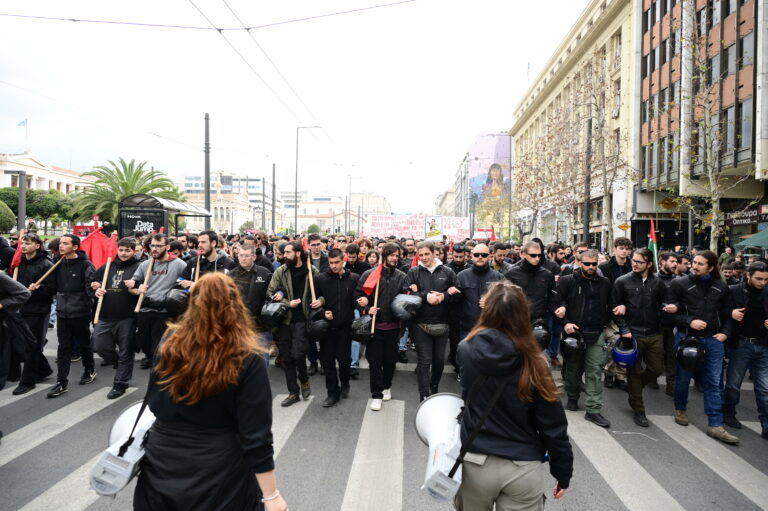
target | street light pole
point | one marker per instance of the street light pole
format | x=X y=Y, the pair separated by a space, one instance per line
x=21 y=218
x=296 y=182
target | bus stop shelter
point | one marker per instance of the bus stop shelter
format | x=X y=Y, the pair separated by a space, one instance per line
x=142 y=213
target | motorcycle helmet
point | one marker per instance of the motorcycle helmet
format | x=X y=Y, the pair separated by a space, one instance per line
x=361 y=328
x=177 y=301
x=405 y=306
x=625 y=352
x=317 y=325
x=690 y=353
x=571 y=344
x=273 y=313
x=541 y=334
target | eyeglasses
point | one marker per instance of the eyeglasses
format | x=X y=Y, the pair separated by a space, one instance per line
x=480 y=254
x=638 y=262
x=533 y=255
x=589 y=264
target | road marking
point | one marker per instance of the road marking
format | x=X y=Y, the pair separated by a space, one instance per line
x=285 y=420
x=7 y=397
x=639 y=492
x=754 y=426
x=719 y=458
x=73 y=493
x=363 y=364
x=376 y=477
x=42 y=430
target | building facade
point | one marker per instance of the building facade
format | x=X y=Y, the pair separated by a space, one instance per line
x=41 y=175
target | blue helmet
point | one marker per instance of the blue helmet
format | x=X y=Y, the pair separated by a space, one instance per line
x=625 y=352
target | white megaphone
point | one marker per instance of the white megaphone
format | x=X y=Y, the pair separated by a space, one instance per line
x=113 y=472
x=438 y=427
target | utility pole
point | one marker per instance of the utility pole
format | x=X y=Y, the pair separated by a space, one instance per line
x=346 y=212
x=207 y=176
x=21 y=218
x=358 y=220
x=263 y=203
x=587 y=180
x=273 y=198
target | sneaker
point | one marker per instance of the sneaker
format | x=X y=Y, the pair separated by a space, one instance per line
x=681 y=417
x=22 y=389
x=641 y=420
x=608 y=382
x=458 y=377
x=273 y=351
x=387 y=394
x=87 y=377
x=305 y=390
x=116 y=392
x=344 y=391
x=402 y=357
x=597 y=419
x=572 y=405
x=721 y=434
x=74 y=358
x=729 y=420
x=145 y=363
x=620 y=384
x=354 y=373
x=555 y=362
x=670 y=390
x=330 y=401
x=105 y=363
x=312 y=369
x=58 y=390
x=376 y=405
x=291 y=399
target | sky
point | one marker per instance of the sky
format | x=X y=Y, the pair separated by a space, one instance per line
x=400 y=92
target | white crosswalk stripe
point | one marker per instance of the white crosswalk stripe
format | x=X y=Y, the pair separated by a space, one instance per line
x=285 y=420
x=719 y=458
x=753 y=425
x=7 y=397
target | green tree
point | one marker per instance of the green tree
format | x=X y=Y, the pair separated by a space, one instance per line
x=247 y=225
x=117 y=181
x=313 y=229
x=7 y=218
x=10 y=197
x=44 y=204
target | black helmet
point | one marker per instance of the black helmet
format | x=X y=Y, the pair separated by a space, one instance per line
x=361 y=328
x=571 y=344
x=690 y=353
x=177 y=301
x=317 y=325
x=541 y=334
x=273 y=313
x=405 y=306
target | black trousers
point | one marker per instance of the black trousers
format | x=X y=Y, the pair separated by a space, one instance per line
x=453 y=341
x=381 y=353
x=430 y=350
x=293 y=344
x=36 y=366
x=69 y=330
x=337 y=346
x=150 y=329
x=109 y=334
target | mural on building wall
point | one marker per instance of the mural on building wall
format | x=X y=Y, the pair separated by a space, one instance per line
x=490 y=161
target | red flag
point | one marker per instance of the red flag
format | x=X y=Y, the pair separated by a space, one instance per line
x=415 y=260
x=96 y=245
x=162 y=229
x=450 y=247
x=112 y=246
x=305 y=244
x=373 y=280
x=16 y=261
x=493 y=233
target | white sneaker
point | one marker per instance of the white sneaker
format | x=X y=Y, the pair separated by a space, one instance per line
x=376 y=405
x=387 y=394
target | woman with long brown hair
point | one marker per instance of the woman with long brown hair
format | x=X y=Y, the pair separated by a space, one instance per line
x=504 y=464
x=211 y=444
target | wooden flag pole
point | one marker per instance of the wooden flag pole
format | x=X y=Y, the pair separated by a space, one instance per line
x=104 y=287
x=311 y=281
x=48 y=273
x=16 y=273
x=375 y=305
x=146 y=283
x=197 y=268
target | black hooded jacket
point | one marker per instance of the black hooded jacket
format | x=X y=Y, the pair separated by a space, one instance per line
x=572 y=292
x=339 y=294
x=6 y=254
x=391 y=284
x=516 y=429
x=118 y=303
x=612 y=270
x=473 y=283
x=30 y=270
x=643 y=301
x=72 y=280
x=538 y=284
x=253 y=286
x=221 y=263
x=439 y=280
x=706 y=299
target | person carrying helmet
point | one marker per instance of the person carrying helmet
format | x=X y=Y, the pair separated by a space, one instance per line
x=585 y=299
x=638 y=298
x=701 y=304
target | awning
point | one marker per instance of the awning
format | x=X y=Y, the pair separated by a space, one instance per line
x=142 y=200
x=758 y=240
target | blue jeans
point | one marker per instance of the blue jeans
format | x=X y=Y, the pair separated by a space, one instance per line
x=556 y=330
x=355 y=349
x=403 y=345
x=753 y=357
x=711 y=378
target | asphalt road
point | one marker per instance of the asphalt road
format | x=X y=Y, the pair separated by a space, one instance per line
x=348 y=457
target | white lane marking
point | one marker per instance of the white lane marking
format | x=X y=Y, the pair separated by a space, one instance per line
x=753 y=425
x=73 y=493
x=718 y=458
x=7 y=397
x=285 y=420
x=639 y=492
x=376 y=477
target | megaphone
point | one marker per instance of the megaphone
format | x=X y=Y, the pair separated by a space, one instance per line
x=113 y=471
x=438 y=427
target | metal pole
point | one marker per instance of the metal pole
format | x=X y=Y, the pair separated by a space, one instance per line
x=587 y=180
x=358 y=220
x=22 y=218
x=690 y=230
x=296 y=188
x=273 y=198
x=207 y=174
x=510 y=187
x=263 y=204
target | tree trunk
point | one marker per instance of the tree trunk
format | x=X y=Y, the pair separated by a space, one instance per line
x=714 y=225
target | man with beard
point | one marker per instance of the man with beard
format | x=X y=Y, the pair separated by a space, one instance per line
x=337 y=287
x=117 y=323
x=152 y=318
x=259 y=253
x=585 y=307
x=279 y=258
x=252 y=280
x=210 y=259
x=290 y=285
x=683 y=264
x=473 y=282
x=187 y=254
x=74 y=295
x=457 y=264
x=354 y=263
x=618 y=265
x=555 y=259
x=381 y=351
x=537 y=283
x=499 y=257
x=410 y=252
x=33 y=265
x=667 y=273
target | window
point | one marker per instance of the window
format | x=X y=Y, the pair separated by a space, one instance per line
x=730 y=58
x=644 y=112
x=663 y=52
x=662 y=8
x=729 y=123
x=713 y=70
x=744 y=126
x=652 y=15
x=644 y=67
x=675 y=152
x=747 y=50
x=674 y=94
x=732 y=5
x=715 y=9
x=663 y=100
x=654 y=160
x=646 y=17
x=655 y=58
x=654 y=108
x=663 y=150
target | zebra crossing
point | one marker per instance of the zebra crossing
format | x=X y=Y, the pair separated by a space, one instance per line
x=349 y=457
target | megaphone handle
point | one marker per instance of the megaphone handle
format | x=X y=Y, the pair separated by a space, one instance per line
x=150 y=388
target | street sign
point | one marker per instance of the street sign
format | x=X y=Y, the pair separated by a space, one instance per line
x=624 y=227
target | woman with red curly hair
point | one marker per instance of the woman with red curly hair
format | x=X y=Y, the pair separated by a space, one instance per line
x=213 y=409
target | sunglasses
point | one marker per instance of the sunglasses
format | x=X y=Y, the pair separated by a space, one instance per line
x=480 y=254
x=589 y=264
x=533 y=255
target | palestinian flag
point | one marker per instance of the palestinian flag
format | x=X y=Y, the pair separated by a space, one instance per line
x=653 y=246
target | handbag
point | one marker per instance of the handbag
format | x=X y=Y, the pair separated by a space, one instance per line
x=435 y=329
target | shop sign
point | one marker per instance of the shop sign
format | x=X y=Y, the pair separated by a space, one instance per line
x=744 y=217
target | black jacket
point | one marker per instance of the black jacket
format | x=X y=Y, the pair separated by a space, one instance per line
x=707 y=300
x=222 y=262
x=339 y=294
x=538 y=285
x=457 y=268
x=571 y=292
x=6 y=254
x=740 y=299
x=516 y=429
x=118 y=303
x=613 y=270
x=13 y=295
x=322 y=263
x=666 y=278
x=643 y=301
x=253 y=285
x=473 y=283
x=391 y=284
x=438 y=280
x=358 y=267
x=551 y=265
x=30 y=270
x=72 y=279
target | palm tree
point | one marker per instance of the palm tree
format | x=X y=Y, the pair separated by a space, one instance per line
x=116 y=182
